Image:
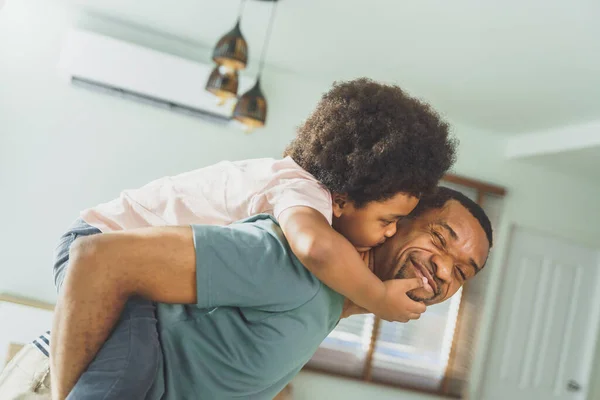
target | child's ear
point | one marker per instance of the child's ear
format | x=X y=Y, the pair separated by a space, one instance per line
x=339 y=201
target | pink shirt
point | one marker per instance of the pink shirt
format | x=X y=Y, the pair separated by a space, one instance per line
x=217 y=195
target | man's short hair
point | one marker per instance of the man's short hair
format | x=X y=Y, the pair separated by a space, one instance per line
x=441 y=195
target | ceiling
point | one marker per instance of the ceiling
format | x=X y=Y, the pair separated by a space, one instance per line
x=506 y=66
x=510 y=67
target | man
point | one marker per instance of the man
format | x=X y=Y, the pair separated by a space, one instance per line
x=256 y=315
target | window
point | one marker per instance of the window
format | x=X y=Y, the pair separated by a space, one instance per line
x=432 y=354
x=403 y=353
x=418 y=351
x=345 y=350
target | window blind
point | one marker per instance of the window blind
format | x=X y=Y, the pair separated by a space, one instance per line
x=345 y=349
x=418 y=351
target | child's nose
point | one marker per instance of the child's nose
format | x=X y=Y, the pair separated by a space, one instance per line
x=391 y=231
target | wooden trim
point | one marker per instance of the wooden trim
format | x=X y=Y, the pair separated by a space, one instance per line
x=475 y=184
x=413 y=389
x=368 y=371
x=26 y=302
x=480 y=197
x=453 y=348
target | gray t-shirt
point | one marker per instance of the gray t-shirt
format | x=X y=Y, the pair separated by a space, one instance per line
x=260 y=316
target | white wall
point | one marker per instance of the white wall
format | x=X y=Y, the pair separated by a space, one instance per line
x=23 y=324
x=558 y=204
x=63 y=149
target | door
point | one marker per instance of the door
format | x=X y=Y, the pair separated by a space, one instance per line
x=546 y=325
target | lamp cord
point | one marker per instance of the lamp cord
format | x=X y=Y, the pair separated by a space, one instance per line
x=241 y=10
x=267 y=39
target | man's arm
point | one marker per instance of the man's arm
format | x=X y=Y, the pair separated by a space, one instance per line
x=105 y=270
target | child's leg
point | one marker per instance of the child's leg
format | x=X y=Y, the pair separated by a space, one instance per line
x=126 y=365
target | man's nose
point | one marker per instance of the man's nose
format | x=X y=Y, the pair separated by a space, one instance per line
x=442 y=267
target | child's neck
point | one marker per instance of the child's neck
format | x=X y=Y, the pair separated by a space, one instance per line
x=367 y=257
x=349 y=307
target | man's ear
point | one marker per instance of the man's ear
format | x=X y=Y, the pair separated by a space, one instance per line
x=339 y=201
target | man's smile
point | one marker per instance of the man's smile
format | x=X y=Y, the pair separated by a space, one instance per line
x=422 y=272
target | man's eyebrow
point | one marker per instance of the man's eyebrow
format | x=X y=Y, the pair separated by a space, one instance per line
x=453 y=234
x=474 y=265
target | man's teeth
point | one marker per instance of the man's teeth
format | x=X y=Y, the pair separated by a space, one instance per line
x=426 y=284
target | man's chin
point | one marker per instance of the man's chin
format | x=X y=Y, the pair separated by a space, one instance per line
x=422 y=295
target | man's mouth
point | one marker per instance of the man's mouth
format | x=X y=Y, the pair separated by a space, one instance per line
x=423 y=272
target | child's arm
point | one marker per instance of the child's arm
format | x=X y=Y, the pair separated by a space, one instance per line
x=335 y=261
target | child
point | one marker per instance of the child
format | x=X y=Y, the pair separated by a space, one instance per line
x=358 y=164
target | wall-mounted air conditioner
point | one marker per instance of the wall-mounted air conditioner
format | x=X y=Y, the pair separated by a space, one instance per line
x=134 y=72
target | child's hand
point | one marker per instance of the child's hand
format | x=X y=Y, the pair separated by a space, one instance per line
x=396 y=305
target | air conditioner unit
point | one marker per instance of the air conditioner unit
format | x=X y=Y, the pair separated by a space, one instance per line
x=137 y=73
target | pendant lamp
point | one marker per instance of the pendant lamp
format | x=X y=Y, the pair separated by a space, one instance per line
x=231 y=50
x=251 y=108
x=223 y=83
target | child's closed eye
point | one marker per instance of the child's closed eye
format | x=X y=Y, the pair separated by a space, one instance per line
x=386 y=222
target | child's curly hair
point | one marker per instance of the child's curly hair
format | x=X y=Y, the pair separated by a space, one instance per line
x=372 y=141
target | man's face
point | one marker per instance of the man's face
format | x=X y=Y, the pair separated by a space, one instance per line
x=447 y=246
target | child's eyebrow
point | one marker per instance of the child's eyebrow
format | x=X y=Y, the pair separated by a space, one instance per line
x=396 y=216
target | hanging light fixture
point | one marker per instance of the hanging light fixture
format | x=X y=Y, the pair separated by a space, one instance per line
x=223 y=83
x=251 y=108
x=231 y=50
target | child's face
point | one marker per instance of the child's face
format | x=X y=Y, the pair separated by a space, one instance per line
x=372 y=224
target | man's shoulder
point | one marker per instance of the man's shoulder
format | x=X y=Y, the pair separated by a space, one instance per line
x=264 y=230
x=258 y=249
x=289 y=273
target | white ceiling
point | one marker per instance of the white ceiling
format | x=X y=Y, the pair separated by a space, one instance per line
x=511 y=67
x=506 y=66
